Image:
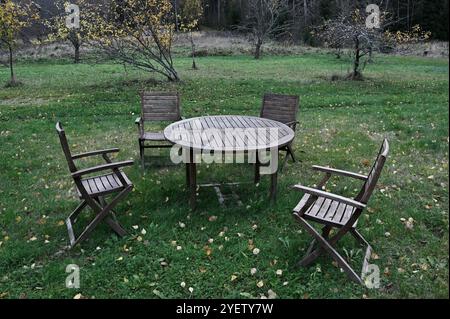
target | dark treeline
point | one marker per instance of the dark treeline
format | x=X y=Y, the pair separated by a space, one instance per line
x=431 y=15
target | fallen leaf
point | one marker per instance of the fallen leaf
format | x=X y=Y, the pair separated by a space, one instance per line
x=409 y=224
x=271 y=294
x=366 y=162
x=157 y=293
x=208 y=250
x=374 y=256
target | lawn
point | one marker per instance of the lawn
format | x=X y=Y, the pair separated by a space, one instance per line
x=210 y=249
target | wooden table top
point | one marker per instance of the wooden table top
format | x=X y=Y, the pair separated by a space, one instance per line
x=229 y=133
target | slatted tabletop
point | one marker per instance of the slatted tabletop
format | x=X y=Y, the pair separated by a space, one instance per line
x=229 y=133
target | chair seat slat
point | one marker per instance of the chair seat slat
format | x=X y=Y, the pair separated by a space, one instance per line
x=324 y=209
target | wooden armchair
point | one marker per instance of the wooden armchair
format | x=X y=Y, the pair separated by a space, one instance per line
x=156 y=107
x=282 y=108
x=334 y=211
x=92 y=190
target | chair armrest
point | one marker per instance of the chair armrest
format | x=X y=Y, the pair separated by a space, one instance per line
x=140 y=124
x=99 y=152
x=101 y=168
x=292 y=124
x=341 y=199
x=339 y=172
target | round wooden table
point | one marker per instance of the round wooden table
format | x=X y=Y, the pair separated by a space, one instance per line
x=228 y=134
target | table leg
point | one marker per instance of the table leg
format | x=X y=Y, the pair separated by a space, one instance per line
x=188 y=176
x=273 y=186
x=192 y=180
x=257 y=166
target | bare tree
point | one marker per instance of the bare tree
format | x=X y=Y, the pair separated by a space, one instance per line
x=263 y=21
x=77 y=36
x=191 y=14
x=141 y=35
x=352 y=31
x=14 y=18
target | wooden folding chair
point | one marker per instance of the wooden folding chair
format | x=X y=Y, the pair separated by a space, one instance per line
x=92 y=190
x=282 y=108
x=156 y=107
x=334 y=211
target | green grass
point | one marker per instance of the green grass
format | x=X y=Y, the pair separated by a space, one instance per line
x=342 y=124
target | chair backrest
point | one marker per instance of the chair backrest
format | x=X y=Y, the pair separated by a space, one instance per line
x=65 y=147
x=374 y=174
x=160 y=106
x=281 y=108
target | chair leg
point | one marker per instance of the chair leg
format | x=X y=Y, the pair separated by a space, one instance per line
x=284 y=161
x=363 y=242
x=100 y=215
x=141 y=154
x=72 y=219
x=311 y=255
x=291 y=153
x=115 y=226
x=112 y=219
x=310 y=258
x=73 y=216
x=359 y=237
x=323 y=242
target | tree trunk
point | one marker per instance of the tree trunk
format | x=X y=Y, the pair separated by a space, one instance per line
x=258 y=49
x=194 y=65
x=172 y=75
x=218 y=12
x=11 y=65
x=408 y=24
x=77 y=54
x=305 y=13
x=73 y=37
x=175 y=6
x=356 y=63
